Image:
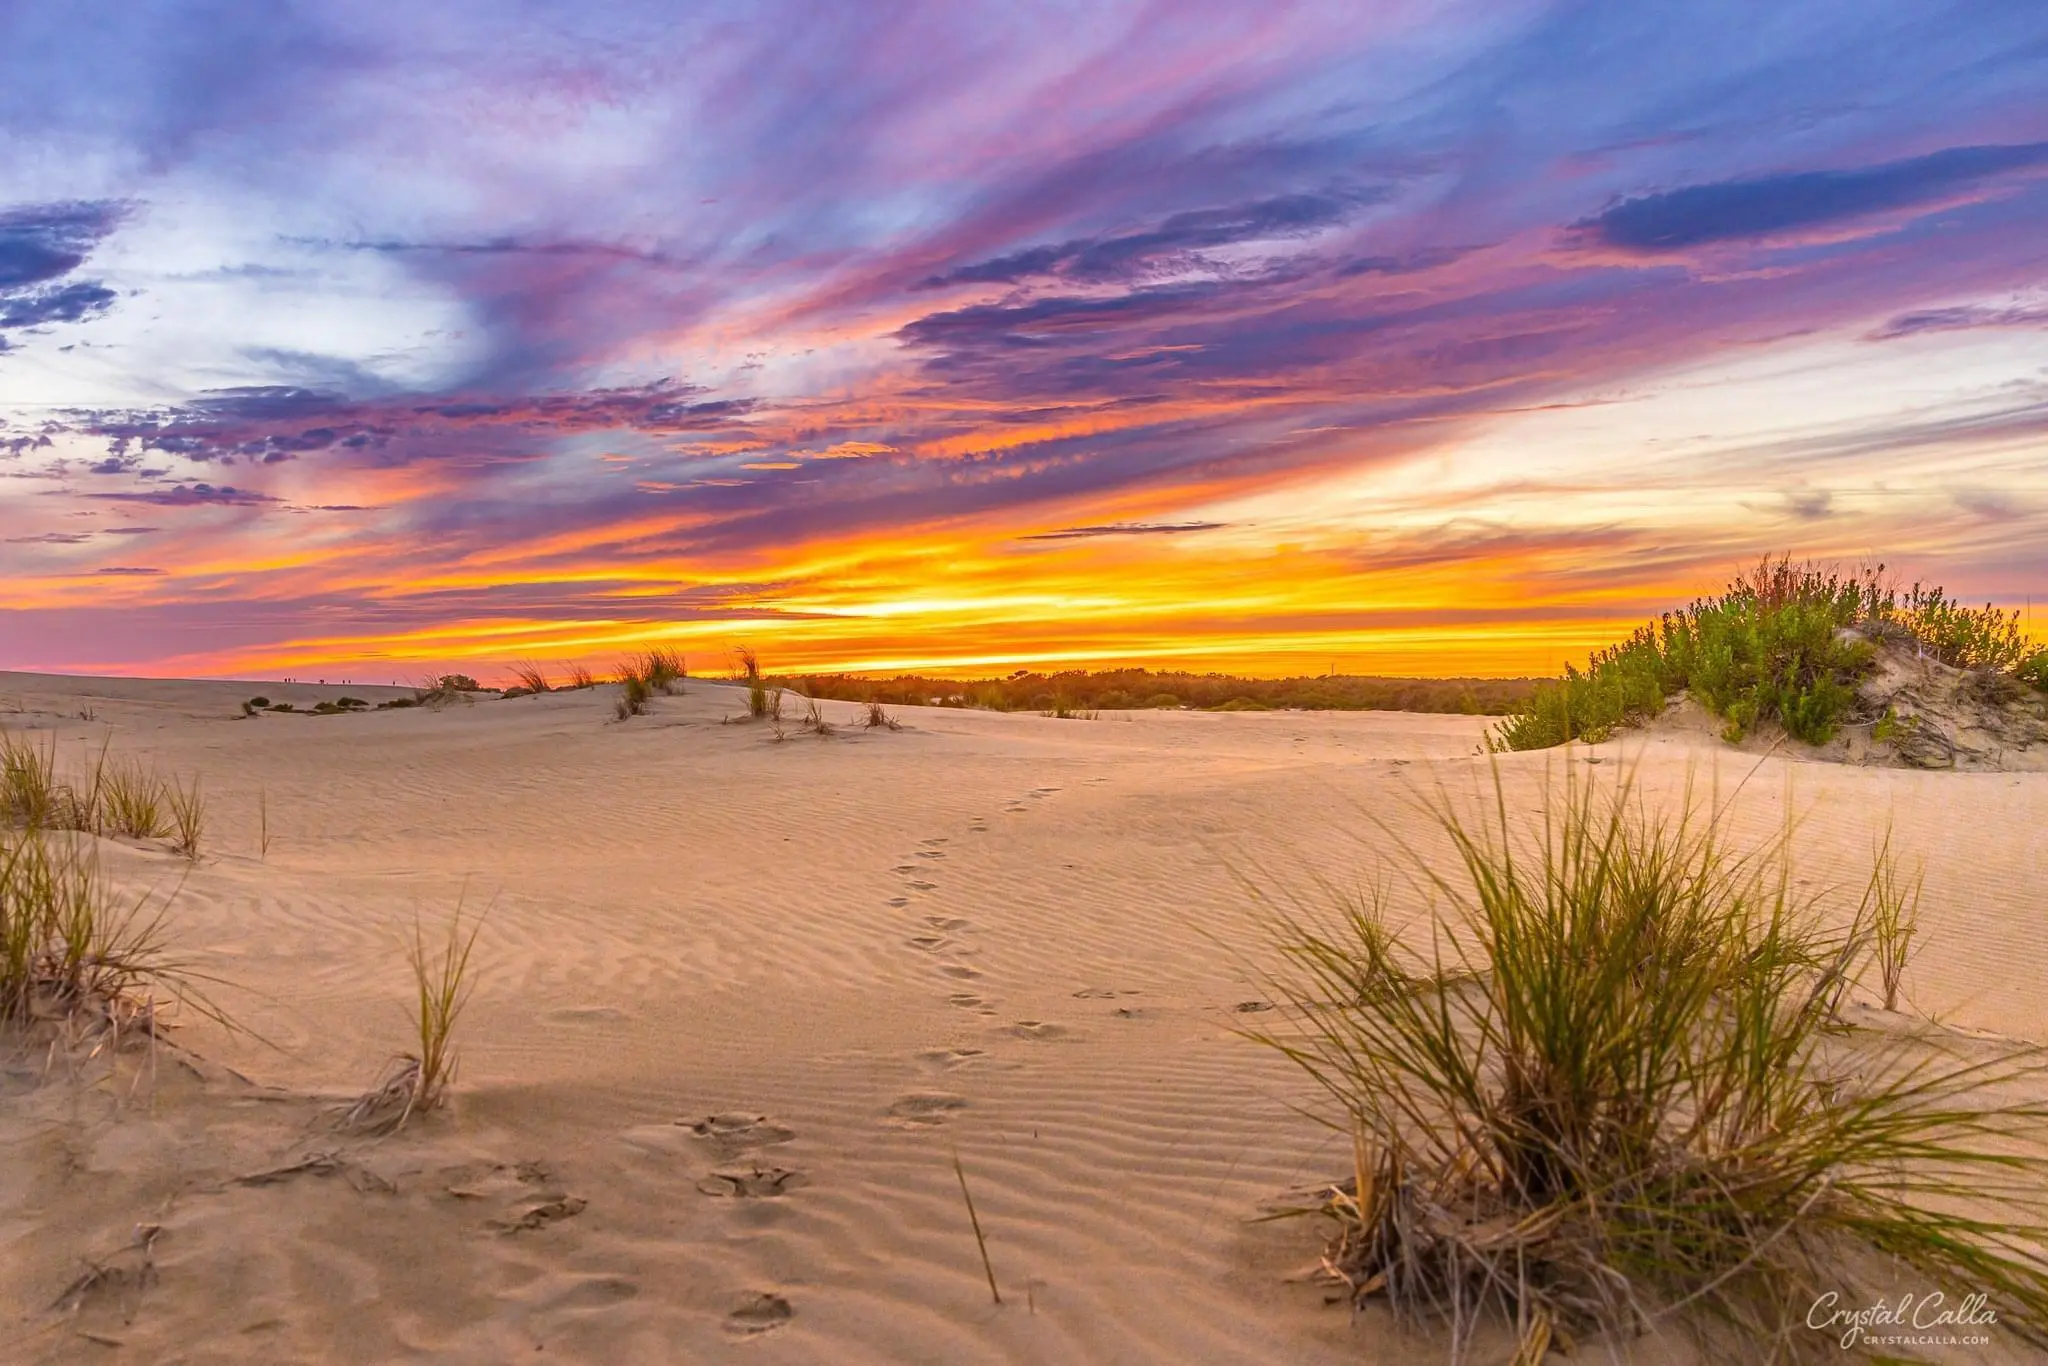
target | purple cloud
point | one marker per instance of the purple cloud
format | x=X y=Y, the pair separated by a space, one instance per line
x=1762 y=206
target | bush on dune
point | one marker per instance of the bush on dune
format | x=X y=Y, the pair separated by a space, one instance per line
x=1785 y=644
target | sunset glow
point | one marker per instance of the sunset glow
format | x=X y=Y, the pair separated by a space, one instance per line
x=1403 y=338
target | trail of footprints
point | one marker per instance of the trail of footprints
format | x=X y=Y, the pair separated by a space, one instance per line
x=944 y=936
x=741 y=1173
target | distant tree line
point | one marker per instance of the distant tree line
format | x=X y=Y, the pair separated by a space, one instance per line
x=1137 y=689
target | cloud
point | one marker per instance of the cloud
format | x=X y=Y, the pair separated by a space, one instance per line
x=1962 y=317
x=44 y=242
x=1809 y=505
x=41 y=244
x=1074 y=533
x=1129 y=255
x=128 y=571
x=192 y=495
x=1765 y=206
x=1410 y=263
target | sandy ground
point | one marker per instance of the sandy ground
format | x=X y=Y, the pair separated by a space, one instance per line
x=1027 y=942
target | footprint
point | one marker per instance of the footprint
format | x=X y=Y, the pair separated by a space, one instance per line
x=596 y=1292
x=1252 y=1007
x=732 y=1134
x=966 y=1000
x=1103 y=993
x=1015 y=806
x=1043 y=791
x=934 y=842
x=898 y=901
x=960 y=970
x=930 y=943
x=931 y=853
x=946 y=1059
x=760 y=1312
x=925 y=1107
x=541 y=1215
x=949 y=923
x=584 y=1014
x=753 y=1181
x=924 y=886
x=978 y=828
x=904 y=868
x=1038 y=1029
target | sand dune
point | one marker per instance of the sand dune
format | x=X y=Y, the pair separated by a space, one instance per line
x=740 y=1003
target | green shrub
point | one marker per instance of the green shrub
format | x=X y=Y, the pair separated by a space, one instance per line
x=1785 y=645
x=2035 y=670
x=1965 y=637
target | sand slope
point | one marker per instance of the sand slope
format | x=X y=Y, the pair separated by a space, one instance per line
x=739 y=1005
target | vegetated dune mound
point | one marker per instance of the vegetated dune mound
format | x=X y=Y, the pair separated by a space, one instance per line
x=1911 y=711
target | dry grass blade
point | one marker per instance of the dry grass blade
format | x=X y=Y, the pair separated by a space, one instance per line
x=980 y=1240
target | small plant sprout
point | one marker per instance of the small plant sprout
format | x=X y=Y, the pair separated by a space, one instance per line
x=814 y=720
x=875 y=717
x=419 y=1081
x=1892 y=905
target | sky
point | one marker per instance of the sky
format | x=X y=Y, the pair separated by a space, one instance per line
x=363 y=340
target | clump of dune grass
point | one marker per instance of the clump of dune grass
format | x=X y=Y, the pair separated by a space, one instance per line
x=114 y=797
x=418 y=1082
x=1063 y=708
x=757 y=688
x=71 y=953
x=187 y=808
x=531 y=676
x=663 y=671
x=132 y=801
x=1609 y=1090
x=580 y=677
x=633 y=696
x=875 y=716
x=30 y=794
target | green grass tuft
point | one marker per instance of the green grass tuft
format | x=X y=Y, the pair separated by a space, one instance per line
x=1612 y=1089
